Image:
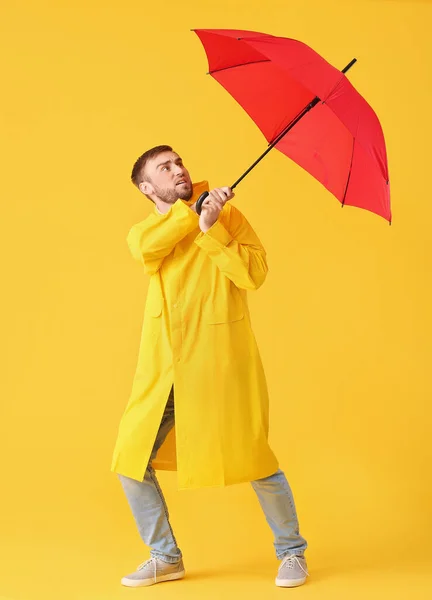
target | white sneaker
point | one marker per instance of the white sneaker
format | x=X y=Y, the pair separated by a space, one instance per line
x=154 y=571
x=292 y=571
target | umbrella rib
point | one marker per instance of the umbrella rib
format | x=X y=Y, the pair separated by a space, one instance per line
x=349 y=172
x=240 y=65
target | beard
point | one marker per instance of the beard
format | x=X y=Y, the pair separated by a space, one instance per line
x=169 y=196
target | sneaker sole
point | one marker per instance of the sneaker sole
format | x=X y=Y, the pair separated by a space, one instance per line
x=290 y=582
x=145 y=582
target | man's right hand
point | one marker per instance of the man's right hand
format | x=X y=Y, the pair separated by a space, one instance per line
x=213 y=206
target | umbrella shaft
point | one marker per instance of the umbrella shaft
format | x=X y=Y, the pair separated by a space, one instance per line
x=287 y=128
x=278 y=138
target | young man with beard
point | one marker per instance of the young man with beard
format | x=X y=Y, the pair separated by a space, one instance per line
x=199 y=369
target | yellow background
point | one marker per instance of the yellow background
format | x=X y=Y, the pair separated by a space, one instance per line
x=343 y=321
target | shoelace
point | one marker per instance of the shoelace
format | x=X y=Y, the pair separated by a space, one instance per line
x=145 y=563
x=292 y=559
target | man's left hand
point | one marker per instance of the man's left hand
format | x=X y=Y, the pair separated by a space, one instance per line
x=212 y=207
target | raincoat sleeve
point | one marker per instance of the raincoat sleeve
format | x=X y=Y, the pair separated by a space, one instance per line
x=154 y=238
x=234 y=247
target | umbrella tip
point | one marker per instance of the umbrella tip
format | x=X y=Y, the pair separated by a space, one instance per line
x=349 y=65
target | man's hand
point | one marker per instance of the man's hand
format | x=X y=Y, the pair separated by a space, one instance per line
x=212 y=207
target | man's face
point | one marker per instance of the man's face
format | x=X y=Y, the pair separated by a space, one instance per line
x=167 y=178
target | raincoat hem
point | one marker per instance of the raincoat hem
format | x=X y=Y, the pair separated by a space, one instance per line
x=197 y=486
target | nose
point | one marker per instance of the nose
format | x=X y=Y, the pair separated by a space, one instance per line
x=178 y=170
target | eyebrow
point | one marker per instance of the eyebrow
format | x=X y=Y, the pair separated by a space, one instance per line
x=168 y=161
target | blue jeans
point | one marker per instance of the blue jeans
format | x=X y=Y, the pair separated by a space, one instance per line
x=151 y=515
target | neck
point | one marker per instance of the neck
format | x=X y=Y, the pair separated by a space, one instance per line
x=163 y=207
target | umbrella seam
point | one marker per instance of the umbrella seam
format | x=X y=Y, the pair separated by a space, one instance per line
x=352 y=158
x=349 y=172
x=239 y=65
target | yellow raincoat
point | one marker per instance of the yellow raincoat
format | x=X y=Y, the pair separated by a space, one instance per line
x=197 y=335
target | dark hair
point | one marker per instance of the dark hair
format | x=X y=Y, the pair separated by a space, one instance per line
x=140 y=163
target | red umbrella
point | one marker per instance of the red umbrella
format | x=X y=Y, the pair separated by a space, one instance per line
x=307 y=109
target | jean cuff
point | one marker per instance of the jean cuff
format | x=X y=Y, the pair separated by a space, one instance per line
x=168 y=559
x=299 y=554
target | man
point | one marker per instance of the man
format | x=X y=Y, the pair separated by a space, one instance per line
x=198 y=368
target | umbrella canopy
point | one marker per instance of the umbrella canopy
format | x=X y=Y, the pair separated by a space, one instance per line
x=338 y=139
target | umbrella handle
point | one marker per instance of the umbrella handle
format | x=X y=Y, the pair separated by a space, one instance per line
x=200 y=201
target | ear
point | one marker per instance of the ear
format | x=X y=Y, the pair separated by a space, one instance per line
x=146 y=188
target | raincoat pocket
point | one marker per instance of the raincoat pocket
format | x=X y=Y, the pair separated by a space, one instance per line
x=226 y=310
x=154 y=306
x=224 y=318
